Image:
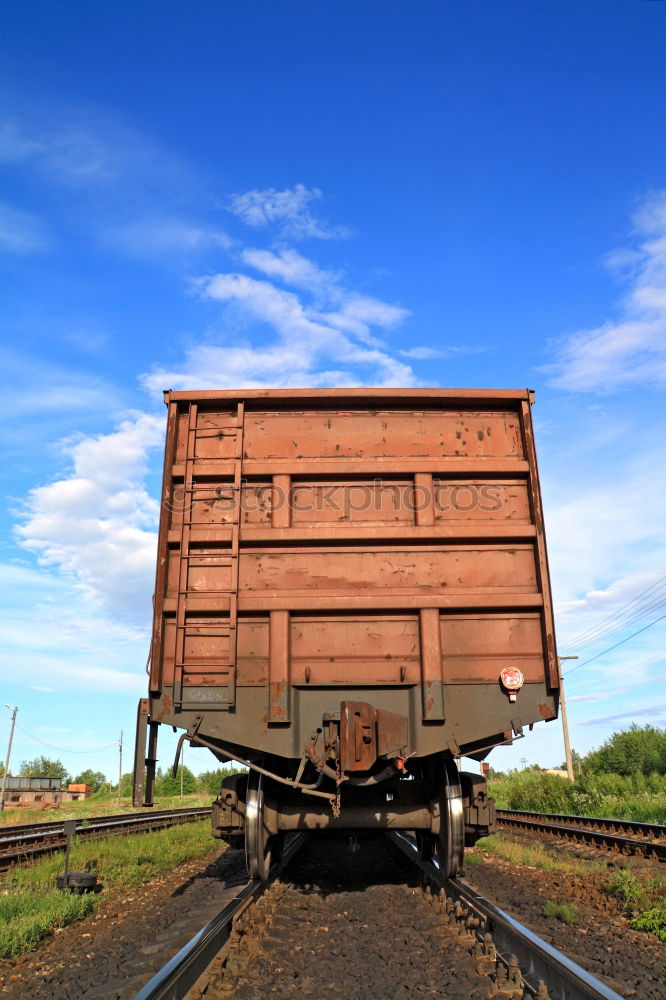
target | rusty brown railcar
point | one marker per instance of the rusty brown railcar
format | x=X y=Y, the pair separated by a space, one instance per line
x=352 y=592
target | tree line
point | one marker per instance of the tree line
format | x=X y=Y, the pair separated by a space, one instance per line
x=633 y=751
x=207 y=783
x=637 y=750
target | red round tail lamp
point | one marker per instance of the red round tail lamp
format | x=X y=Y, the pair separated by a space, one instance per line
x=512 y=680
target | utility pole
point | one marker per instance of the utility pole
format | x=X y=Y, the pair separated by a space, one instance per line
x=9 y=750
x=565 y=724
x=182 y=767
x=120 y=765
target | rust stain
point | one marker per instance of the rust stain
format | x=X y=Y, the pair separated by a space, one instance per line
x=546 y=712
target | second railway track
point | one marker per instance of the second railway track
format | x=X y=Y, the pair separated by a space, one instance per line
x=645 y=840
x=21 y=843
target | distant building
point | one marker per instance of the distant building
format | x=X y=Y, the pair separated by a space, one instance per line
x=27 y=791
x=78 y=792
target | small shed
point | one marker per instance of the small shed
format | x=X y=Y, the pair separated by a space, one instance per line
x=77 y=793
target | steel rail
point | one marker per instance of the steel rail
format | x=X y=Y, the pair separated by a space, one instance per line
x=182 y=971
x=56 y=824
x=614 y=842
x=41 y=839
x=538 y=960
x=88 y=821
x=648 y=831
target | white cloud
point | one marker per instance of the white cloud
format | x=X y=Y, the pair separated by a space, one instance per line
x=353 y=312
x=631 y=349
x=313 y=347
x=292 y=268
x=290 y=210
x=21 y=232
x=97 y=524
x=608 y=602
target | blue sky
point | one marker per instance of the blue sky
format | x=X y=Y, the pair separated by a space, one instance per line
x=305 y=193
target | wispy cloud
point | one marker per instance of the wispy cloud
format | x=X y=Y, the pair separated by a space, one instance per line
x=606 y=538
x=50 y=630
x=315 y=346
x=21 y=232
x=291 y=211
x=35 y=388
x=164 y=235
x=653 y=712
x=447 y=351
x=629 y=350
x=290 y=267
x=78 y=147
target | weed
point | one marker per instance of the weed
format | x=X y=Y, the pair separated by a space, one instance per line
x=566 y=912
x=644 y=899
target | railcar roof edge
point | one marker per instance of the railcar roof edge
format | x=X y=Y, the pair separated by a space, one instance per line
x=432 y=393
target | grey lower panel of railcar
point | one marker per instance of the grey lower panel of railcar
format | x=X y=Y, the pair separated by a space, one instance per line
x=474 y=713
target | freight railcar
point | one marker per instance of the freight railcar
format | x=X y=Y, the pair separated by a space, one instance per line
x=352 y=593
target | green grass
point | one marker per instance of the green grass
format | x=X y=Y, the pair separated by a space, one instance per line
x=533 y=855
x=644 y=899
x=566 y=912
x=31 y=906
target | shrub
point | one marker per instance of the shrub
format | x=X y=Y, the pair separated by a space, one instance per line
x=637 y=796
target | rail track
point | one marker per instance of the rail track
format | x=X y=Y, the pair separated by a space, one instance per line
x=21 y=843
x=516 y=962
x=646 y=840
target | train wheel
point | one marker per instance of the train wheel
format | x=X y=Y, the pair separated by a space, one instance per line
x=449 y=846
x=257 y=838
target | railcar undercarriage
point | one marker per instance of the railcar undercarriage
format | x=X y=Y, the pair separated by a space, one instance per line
x=355 y=773
x=443 y=808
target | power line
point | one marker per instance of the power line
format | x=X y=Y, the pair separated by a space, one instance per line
x=62 y=749
x=583 y=637
x=610 y=648
x=634 y=666
x=624 y=623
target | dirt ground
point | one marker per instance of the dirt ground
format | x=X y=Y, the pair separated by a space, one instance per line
x=601 y=939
